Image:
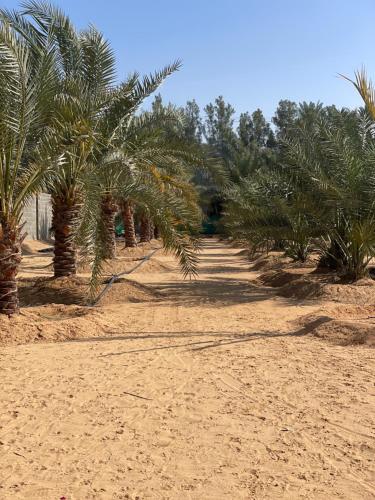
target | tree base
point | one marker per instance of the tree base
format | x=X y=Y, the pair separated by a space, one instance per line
x=10 y=259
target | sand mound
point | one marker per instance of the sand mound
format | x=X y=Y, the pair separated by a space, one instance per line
x=75 y=291
x=316 y=287
x=278 y=260
x=343 y=312
x=114 y=266
x=40 y=291
x=153 y=266
x=124 y=290
x=272 y=261
x=47 y=323
x=302 y=284
x=32 y=247
x=141 y=250
x=302 y=288
x=63 y=319
x=347 y=333
x=58 y=312
x=353 y=325
x=352 y=311
x=52 y=323
x=246 y=252
x=127 y=264
x=277 y=278
x=54 y=310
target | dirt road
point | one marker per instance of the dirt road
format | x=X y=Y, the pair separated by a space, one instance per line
x=212 y=393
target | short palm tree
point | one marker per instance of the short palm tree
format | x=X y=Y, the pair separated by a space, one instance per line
x=336 y=166
x=322 y=190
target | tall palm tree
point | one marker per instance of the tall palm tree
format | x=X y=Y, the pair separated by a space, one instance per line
x=27 y=85
x=176 y=215
x=127 y=213
x=90 y=113
x=133 y=146
x=145 y=228
x=88 y=123
x=140 y=167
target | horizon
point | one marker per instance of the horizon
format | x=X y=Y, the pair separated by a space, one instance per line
x=254 y=55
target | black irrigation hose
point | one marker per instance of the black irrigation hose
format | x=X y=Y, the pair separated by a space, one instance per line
x=117 y=276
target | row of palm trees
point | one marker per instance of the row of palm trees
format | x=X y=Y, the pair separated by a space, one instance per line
x=68 y=128
x=319 y=196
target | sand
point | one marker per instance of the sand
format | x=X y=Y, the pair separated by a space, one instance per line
x=34 y=247
x=308 y=283
x=218 y=389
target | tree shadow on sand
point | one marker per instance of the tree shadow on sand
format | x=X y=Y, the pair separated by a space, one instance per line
x=213 y=291
x=221 y=339
x=222 y=269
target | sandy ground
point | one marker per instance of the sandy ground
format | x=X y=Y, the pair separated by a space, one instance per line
x=213 y=392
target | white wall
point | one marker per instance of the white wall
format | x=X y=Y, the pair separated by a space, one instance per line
x=38 y=224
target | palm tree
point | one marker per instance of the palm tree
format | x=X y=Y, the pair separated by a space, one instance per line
x=336 y=165
x=127 y=213
x=365 y=88
x=140 y=167
x=77 y=100
x=88 y=124
x=90 y=114
x=145 y=229
x=322 y=190
x=176 y=215
x=27 y=84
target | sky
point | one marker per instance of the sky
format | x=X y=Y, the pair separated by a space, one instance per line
x=253 y=52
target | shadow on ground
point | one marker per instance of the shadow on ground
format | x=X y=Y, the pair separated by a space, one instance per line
x=221 y=339
x=213 y=290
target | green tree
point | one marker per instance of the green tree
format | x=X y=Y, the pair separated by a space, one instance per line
x=245 y=130
x=262 y=129
x=218 y=127
x=193 y=128
x=285 y=117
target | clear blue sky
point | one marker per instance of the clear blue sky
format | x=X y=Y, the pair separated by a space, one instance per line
x=253 y=52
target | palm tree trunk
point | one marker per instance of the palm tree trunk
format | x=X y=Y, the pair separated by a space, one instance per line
x=108 y=213
x=334 y=258
x=10 y=259
x=152 y=228
x=156 y=233
x=127 y=212
x=65 y=214
x=145 y=229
